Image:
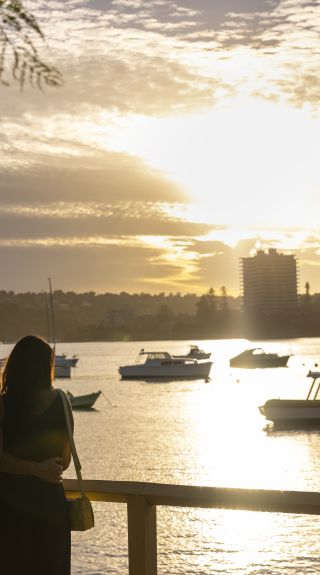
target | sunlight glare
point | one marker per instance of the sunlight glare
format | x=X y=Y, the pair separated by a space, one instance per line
x=246 y=162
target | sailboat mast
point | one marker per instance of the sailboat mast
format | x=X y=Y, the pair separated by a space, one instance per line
x=52 y=316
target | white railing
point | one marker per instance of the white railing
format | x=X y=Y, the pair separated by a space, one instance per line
x=142 y=500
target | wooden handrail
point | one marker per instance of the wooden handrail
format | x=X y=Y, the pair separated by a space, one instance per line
x=269 y=500
x=143 y=498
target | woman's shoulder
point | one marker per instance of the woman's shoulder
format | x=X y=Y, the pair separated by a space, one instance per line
x=65 y=405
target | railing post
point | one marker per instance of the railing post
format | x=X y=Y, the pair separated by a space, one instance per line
x=142 y=536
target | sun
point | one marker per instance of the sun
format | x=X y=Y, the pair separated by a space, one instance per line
x=244 y=163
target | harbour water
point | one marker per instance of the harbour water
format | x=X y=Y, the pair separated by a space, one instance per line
x=196 y=433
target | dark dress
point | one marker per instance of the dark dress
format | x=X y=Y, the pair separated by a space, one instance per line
x=34 y=531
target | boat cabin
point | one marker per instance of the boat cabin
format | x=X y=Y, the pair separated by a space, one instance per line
x=156 y=357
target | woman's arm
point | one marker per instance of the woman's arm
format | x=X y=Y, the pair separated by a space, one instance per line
x=66 y=456
x=48 y=470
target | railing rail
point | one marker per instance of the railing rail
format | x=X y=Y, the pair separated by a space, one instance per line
x=142 y=500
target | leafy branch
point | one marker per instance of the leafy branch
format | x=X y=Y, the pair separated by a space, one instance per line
x=18 y=51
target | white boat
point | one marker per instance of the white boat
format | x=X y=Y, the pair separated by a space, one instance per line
x=195 y=353
x=63 y=365
x=62 y=371
x=83 y=401
x=295 y=413
x=258 y=358
x=160 y=364
x=64 y=360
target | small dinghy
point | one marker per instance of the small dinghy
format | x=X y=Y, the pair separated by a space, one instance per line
x=83 y=401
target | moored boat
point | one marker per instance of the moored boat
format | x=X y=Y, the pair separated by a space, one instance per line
x=295 y=413
x=160 y=364
x=63 y=359
x=195 y=353
x=258 y=358
x=83 y=401
x=63 y=365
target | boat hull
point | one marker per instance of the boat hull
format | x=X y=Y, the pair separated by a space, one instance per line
x=172 y=371
x=198 y=356
x=62 y=371
x=260 y=362
x=290 y=413
x=83 y=401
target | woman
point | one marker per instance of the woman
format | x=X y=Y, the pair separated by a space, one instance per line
x=34 y=450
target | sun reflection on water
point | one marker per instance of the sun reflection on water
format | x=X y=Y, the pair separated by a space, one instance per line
x=233 y=445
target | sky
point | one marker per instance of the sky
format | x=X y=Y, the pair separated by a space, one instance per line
x=185 y=136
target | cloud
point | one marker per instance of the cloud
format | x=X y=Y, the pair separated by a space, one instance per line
x=109 y=176
x=100 y=268
x=89 y=222
x=287 y=38
x=115 y=48
x=73 y=199
x=108 y=56
x=218 y=263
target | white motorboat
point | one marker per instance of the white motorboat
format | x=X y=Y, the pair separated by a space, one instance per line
x=295 y=413
x=258 y=358
x=160 y=364
x=83 y=401
x=63 y=365
x=195 y=353
x=62 y=369
x=64 y=360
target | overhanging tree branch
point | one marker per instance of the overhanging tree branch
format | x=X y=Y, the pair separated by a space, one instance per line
x=18 y=52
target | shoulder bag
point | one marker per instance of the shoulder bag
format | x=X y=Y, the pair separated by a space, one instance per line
x=80 y=510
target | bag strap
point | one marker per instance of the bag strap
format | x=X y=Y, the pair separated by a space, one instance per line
x=76 y=460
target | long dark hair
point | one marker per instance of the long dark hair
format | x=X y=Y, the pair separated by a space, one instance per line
x=28 y=369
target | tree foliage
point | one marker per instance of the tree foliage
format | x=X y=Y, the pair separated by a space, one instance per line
x=19 y=56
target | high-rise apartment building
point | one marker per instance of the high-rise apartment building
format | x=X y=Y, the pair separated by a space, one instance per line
x=269 y=284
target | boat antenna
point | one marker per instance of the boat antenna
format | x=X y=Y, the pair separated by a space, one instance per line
x=52 y=316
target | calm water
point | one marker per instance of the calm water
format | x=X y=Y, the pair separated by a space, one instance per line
x=197 y=433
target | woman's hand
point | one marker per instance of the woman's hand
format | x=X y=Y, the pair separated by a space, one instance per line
x=50 y=470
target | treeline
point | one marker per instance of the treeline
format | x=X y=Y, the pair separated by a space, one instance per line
x=101 y=317
x=123 y=317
